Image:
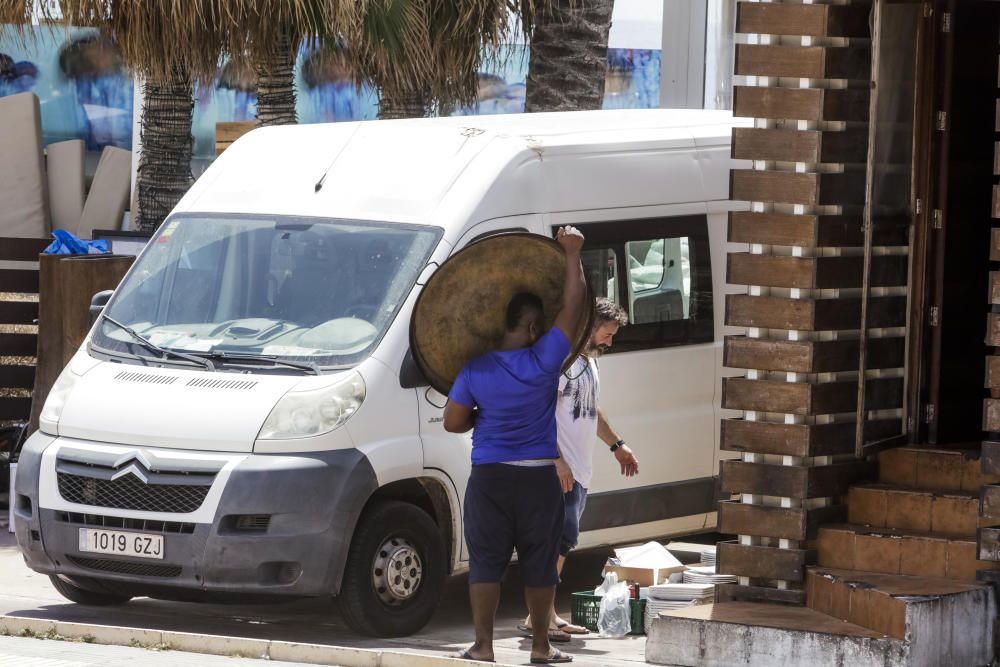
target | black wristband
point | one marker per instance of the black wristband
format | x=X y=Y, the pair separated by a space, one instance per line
x=617 y=445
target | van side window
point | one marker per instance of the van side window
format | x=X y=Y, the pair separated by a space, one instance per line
x=659 y=270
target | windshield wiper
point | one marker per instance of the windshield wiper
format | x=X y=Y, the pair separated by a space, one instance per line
x=265 y=358
x=163 y=351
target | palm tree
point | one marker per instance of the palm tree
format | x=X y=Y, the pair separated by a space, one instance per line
x=569 y=54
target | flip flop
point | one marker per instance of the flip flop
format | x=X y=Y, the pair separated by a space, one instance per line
x=465 y=655
x=554 y=635
x=556 y=657
x=571 y=629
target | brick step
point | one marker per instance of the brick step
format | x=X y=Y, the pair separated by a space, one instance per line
x=954 y=513
x=896 y=605
x=763 y=635
x=895 y=551
x=922 y=468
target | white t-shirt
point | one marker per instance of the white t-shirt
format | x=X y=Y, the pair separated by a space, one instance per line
x=576 y=417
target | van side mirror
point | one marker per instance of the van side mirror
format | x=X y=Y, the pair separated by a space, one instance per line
x=410 y=375
x=97 y=303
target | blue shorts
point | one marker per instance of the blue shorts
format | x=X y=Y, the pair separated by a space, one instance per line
x=575 y=501
x=513 y=507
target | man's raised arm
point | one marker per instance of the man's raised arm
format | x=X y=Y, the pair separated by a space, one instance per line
x=574 y=287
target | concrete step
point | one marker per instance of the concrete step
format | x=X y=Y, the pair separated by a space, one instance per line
x=932 y=469
x=900 y=606
x=889 y=506
x=896 y=551
x=747 y=634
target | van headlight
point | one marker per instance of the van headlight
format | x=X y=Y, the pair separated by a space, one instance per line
x=303 y=414
x=48 y=419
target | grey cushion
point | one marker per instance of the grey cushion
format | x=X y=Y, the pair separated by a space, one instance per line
x=64 y=163
x=24 y=204
x=109 y=193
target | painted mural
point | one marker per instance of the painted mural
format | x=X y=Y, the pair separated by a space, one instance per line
x=86 y=93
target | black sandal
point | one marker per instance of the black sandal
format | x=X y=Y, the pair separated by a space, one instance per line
x=465 y=655
x=556 y=657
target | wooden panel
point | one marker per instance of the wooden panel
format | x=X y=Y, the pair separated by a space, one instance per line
x=843 y=104
x=21 y=249
x=18 y=345
x=989 y=459
x=813 y=272
x=989 y=502
x=809 y=230
x=740 y=435
x=996 y=158
x=750 y=143
x=850 y=146
x=808 y=20
x=801 y=356
x=793 y=481
x=17 y=377
x=993 y=329
x=762 y=562
x=807 y=62
x=996 y=202
x=18 y=312
x=790 y=523
x=14 y=408
x=994 y=296
x=801 y=398
x=995 y=244
x=737 y=593
x=768 y=312
x=16 y=280
x=773 y=186
x=992 y=371
x=991 y=414
x=797 y=188
x=988 y=544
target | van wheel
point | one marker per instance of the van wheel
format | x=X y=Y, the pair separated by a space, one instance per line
x=96 y=594
x=395 y=571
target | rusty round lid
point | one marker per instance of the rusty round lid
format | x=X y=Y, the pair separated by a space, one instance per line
x=460 y=312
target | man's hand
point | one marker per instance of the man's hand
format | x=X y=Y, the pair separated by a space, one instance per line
x=630 y=464
x=570 y=239
x=565 y=476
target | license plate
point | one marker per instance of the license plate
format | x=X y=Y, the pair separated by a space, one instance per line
x=119 y=543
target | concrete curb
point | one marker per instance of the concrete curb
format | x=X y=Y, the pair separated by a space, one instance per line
x=266 y=649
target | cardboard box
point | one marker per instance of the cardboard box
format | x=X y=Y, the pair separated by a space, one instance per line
x=641 y=575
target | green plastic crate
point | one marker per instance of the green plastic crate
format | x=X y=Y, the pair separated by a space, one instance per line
x=586 y=607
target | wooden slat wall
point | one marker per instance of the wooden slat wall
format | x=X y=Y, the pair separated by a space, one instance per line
x=988 y=537
x=808 y=70
x=18 y=337
x=228 y=132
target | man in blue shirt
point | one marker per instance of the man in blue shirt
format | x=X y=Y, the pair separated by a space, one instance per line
x=514 y=498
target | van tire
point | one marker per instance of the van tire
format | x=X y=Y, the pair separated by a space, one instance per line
x=95 y=595
x=364 y=610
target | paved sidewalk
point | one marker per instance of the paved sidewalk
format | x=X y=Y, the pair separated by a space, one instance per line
x=25 y=652
x=24 y=593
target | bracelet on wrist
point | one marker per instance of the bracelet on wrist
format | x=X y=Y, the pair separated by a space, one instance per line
x=618 y=444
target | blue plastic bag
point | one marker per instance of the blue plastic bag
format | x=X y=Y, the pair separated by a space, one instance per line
x=67 y=244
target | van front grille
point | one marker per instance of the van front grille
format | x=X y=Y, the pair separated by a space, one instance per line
x=130 y=493
x=127 y=567
x=146 y=525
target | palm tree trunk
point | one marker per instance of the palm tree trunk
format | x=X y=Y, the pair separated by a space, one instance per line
x=569 y=56
x=275 y=69
x=164 y=172
x=411 y=105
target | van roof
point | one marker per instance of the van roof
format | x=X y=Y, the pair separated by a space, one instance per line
x=405 y=170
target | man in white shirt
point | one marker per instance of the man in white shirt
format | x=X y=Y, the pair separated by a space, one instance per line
x=579 y=423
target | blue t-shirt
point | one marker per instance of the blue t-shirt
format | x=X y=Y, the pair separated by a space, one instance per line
x=515 y=391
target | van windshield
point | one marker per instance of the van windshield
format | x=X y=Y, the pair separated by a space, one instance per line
x=322 y=291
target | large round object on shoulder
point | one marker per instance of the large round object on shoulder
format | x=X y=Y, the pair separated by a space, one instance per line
x=461 y=311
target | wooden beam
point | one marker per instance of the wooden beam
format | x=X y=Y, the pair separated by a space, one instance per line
x=809 y=230
x=769 y=312
x=806 y=20
x=18 y=345
x=801 y=356
x=803 y=398
x=793 y=481
x=790 y=523
x=17 y=377
x=993 y=329
x=989 y=459
x=763 y=562
x=740 y=435
x=21 y=249
x=737 y=593
x=813 y=272
x=991 y=414
x=988 y=544
x=750 y=143
x=816 y=104
x=18 y=312
x=19 y=280
x=989 y=502
x=992 y=371
x=791 y=187
x=805 y=62
x=14 y=407
x=995 y=244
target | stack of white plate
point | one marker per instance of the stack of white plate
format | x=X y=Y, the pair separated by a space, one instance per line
x=666 y=597
x=708 y=556
x=707 y=575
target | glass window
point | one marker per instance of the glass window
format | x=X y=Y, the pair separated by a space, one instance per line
x=310 y=289
x=667 y=285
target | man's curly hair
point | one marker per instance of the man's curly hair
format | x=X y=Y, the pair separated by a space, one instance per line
x=607 y=310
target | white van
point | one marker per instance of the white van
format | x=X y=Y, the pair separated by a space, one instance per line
x=246 y=417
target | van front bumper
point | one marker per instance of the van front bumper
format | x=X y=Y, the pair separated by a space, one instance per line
x=310 y=504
